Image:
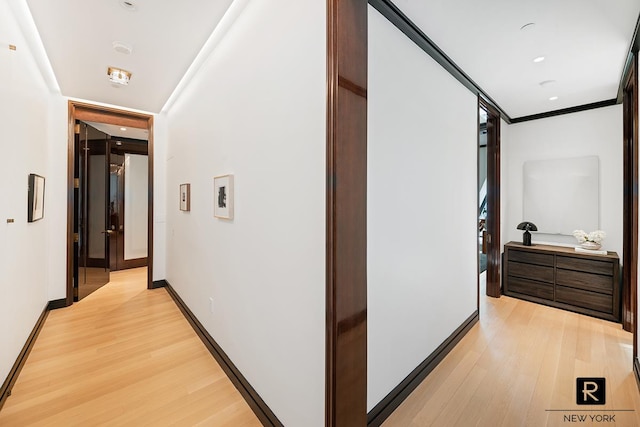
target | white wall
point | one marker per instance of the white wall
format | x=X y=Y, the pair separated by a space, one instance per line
x=257 y=109
x=422 y=206
x=595 y=132
x=160 y=140
x=24 y=112
x=57 y=191
x=136 y=213
x=504 y=153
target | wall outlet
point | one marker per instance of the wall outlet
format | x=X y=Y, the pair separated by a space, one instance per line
x=211 y=304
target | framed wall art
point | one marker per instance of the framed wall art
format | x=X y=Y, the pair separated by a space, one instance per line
x=223 y=196
x=185 y=197
x=35 y=198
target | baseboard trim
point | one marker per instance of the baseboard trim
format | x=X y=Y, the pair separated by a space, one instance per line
x=636 y=371
x=5 y=390
x=259 y=407
x=389 y=404
x=158 y=284
x=57 y=303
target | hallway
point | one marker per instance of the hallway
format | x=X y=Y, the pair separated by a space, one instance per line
x=520 y=361
x=126 y=356
x=123 y=356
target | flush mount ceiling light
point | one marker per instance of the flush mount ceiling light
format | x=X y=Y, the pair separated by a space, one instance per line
x=122 y=48
x=119 y=76
x=538 y=59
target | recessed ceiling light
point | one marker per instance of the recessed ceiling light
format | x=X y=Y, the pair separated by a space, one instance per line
x=546 y=83
x=128 y=5
x=122 y=48
x=12 y=47
x=553 y=98
x=538 y=59
x=118 y=143
x=119 y=76
x=123 y=129
x=528 y=26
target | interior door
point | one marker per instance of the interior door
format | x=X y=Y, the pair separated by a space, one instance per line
x=92 y=211
x=492 y=207
x=128 y=203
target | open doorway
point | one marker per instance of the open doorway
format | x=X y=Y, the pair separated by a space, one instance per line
x=110 y=207
x=489 y=197
x=95 y=213
x=630 y=202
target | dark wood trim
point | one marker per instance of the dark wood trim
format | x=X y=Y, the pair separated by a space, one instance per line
x=71 y=246
x=131 y=263
x=413 y=32
x=630 y=202
x=259 y=407
x=389 y=404
x=95 y=113
x=346 y=217
x=636 y=370
x=151 y=150
x=562 y=111
x=635 y=43
x=159 y=284
x=7 y=385
x=632 y=53
x=492 y=223
x=56 y=304
x=111 y=116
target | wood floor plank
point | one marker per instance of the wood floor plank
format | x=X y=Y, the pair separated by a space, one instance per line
x=519 y=362
x=123 y=356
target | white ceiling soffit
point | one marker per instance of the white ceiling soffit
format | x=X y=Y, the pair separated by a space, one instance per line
x=114 y=130
x=584 y=44
x=164 y=37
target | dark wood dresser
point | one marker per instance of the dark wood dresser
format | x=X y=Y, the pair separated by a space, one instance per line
x=563 y=278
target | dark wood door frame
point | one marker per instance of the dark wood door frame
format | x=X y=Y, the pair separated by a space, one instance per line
x=493 y=198
x=630 y=208
x=346 y=226
x=118 y=150
x=94 y=113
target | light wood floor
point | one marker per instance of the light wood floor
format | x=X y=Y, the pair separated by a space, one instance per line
x=519 y=361
x=125 y=356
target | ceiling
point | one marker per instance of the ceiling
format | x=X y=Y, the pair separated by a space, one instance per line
x=121 y=132
x=584 y=43
x=164 y=37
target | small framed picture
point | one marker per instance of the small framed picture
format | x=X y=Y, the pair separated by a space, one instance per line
x=35 y=198
x=223 y=196
x=185 y=197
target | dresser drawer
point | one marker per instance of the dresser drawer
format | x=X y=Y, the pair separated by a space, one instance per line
x=531 y=257
x=561 y=277
x=585 y=299
x=586 y=281
x=538 y=272
x=586 y=265
x=530 y=287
